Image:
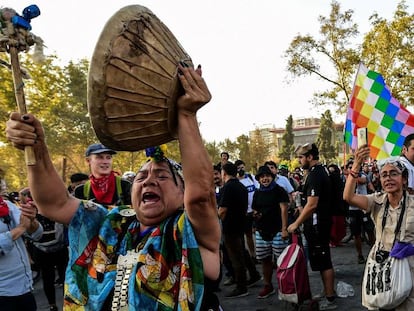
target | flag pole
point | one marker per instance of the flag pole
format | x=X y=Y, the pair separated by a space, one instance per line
x=344 y=152
x=349 y=104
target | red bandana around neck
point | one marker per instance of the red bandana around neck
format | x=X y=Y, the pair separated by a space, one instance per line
x=4 y=208
x=103 y=188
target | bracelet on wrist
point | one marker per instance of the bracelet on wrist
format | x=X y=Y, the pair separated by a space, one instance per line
x=353 y=174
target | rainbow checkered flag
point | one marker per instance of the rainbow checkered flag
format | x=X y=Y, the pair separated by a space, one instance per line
x=372 y=106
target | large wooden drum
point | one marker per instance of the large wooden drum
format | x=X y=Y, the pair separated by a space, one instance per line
x=133 y=84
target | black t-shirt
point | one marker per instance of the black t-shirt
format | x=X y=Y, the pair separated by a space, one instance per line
x=318 y=184
x=267 y=203
x=234 y=197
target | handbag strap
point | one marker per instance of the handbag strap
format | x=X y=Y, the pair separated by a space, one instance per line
x=400 y=219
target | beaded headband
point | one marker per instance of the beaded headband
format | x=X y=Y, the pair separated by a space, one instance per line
x=157 y=154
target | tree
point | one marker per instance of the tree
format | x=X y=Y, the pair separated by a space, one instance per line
x=243 y=146
x=330 y=58
x=387 y=49
x=326 y=138
x=231 y=147
x=287 y=149
x=259 y=150
x=213 y=150
x=57 y=96
x=7 y=98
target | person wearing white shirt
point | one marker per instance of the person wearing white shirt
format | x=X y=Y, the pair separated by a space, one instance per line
x=281 y=180
x=251 y=185
x=407 y=157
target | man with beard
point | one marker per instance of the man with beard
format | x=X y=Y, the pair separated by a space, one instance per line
x=218 y=182
x=316 y=218
x=103 y=186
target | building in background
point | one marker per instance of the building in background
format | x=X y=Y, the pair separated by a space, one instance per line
x=304 y=130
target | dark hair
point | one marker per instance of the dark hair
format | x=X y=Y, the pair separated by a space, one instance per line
x=230 y=169
x=314 y=152
x=335 y=168
x=13 y=197
x=226 y=153
x=270 y=162
x=26 y=193
x=404 y=174
x=308 y=149
x=217 y=168
x=264 y=169
x=239 y=162
x=78 y=177
x=408 y=139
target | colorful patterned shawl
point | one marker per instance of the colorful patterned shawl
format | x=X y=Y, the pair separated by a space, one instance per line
x=169 y=267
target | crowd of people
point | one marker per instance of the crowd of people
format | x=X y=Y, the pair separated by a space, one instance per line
x=299 y=199
x=167 y=236
x=48 y=252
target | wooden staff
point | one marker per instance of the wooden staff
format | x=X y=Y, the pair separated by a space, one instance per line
x=20 y=99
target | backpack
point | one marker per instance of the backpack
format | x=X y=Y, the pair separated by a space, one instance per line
x=338 y=206
x=292 y=273
x=87 y=189
x=250 y=177
x=53 y=238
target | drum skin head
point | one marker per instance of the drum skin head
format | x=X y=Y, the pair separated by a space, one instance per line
x=133 y=82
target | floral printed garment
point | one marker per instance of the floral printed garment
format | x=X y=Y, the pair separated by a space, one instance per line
x=168 y=269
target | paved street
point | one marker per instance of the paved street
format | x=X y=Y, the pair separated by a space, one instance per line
x=346 y=268
x=42 y=304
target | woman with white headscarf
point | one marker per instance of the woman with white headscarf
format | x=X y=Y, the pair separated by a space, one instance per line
x=392 y=211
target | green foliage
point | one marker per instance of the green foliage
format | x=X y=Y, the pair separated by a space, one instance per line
x=287 y=149
x=7 y=99
x=330 y=58
x=326 y=138
x=388 y=49
x=213 y=151
x=57 y=94
x=259 y=150
x=12 y=163
x=228 y=146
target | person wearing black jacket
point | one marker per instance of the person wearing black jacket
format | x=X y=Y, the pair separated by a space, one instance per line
x=232 y=212
x=270 y=211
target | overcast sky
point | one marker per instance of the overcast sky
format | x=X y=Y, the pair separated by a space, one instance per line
x=239 y=43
